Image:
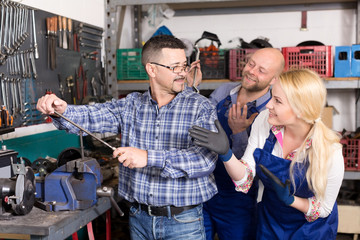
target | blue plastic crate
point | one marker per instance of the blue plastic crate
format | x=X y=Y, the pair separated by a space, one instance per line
x=355 y=60
x=342 y=67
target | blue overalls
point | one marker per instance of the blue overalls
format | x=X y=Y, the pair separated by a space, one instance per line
x=229 y=213
x=275 y=219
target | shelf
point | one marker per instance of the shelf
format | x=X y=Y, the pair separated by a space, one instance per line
x=143 y=85
x=189 y=4
x=352 y=175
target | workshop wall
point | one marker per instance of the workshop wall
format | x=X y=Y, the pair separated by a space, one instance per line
x=87 y=11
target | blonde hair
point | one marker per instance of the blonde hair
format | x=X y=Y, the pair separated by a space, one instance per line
x=306 y=94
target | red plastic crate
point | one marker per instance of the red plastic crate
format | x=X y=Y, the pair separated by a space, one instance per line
x=237 y=60
x=351 y=154
x=317 y=58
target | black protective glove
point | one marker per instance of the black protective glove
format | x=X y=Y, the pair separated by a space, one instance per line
x=214 y=141
x=282 y=190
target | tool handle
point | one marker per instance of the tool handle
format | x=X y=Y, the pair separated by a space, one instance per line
x=60 y=23
x=270 y=175
x=55 y=25
x=64 y=23
x=48 y=25
x=69 y=24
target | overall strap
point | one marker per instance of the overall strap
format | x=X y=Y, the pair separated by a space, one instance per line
x=270 y=142
x=253 y=110
x=222 y=107
x=257 y=109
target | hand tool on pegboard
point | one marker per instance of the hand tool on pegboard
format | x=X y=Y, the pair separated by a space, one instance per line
x=77 y=85
x=54 y=28
x=89 y=36
x=90 y=45
x=64 y=38
x=33 y=65
x=76 y=42
x=90 y=55
x=87 y=32
x=70 y=34
x=6 y=119
x=87 y=26
x=36 y=51
x=60 y=35
x=50 y=25
x=83 y=38
x=70 y=85
x=2 y=56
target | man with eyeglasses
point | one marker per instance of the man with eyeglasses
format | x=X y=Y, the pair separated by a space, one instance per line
x=231 y=214
x=163 y=176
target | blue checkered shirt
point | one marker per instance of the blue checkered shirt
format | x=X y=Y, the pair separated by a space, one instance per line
x=178 y=172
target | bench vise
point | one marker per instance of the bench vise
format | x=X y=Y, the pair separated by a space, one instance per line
x=71 y=186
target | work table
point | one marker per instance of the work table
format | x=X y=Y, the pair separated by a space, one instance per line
x=40 y=224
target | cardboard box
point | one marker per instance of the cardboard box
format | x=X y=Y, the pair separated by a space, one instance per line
x=349 y=219
x=327 y=116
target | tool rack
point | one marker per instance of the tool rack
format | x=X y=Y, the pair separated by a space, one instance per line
x=33 y=61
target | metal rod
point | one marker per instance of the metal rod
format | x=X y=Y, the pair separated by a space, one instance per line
x=84 y=130
x=195 y=72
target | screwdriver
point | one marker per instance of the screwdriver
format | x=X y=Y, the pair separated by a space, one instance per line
x=84 y=130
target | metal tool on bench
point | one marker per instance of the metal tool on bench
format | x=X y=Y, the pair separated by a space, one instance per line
x=17 y=192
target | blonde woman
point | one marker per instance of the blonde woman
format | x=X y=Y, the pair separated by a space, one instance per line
x=298 y=159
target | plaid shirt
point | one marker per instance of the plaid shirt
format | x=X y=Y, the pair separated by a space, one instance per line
x=178 y=172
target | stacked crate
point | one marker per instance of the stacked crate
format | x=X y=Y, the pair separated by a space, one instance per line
x=316 y=58
x=351 y=154
x=237 y=61
x=129 y=67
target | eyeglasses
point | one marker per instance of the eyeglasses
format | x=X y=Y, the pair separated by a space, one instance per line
x=175 y=69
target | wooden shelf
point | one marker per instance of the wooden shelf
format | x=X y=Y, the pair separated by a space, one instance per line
x=143 y=85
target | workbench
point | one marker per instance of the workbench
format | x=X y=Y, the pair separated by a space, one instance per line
x=39 y=224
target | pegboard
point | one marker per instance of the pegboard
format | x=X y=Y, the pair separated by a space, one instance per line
x=48 y=80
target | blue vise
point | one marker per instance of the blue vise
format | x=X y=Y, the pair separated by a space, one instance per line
x=71 y=186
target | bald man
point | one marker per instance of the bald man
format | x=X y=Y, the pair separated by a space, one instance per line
x=231 y=214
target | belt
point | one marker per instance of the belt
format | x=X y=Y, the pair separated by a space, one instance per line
x=162 y=211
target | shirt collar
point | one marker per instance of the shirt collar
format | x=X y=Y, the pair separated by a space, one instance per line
x=147 y=98
x=257 y=102
x=278 y=132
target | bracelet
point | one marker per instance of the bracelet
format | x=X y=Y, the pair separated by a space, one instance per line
x=226 y=157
